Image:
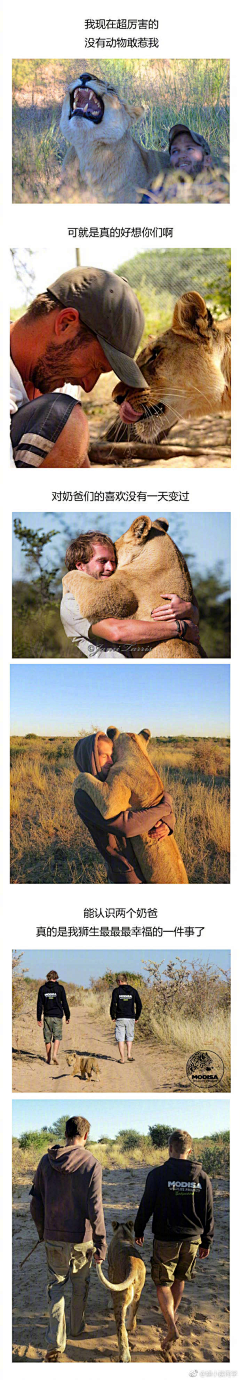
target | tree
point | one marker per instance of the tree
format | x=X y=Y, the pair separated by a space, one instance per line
x=160 y=1135
x=33 y=545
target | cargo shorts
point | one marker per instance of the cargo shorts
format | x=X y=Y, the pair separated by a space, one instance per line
x=173 y=1260
x=52 y=1029
x=124 y=1029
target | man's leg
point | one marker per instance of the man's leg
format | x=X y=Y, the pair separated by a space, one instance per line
x=177 y=1292
x=130 y=1024
x=48 y=1053
x=55 y=1051
x=120 y=1038
x=81 y=1259
x=121 y=1050
x=166 y=1303
x=58 y=1261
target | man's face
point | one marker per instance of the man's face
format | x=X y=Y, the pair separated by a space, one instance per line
x=75 y=361
x=105 y=755
x=185 y=154
x=101 y=564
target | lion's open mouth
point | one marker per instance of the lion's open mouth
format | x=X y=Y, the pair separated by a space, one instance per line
x=130 y=415
x=85 y=103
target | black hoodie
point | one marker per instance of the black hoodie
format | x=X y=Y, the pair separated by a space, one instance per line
x=52 y=1001
x=178 y=1197
x=125 y=1002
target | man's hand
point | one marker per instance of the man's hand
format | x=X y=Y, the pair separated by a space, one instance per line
x=203 y=1252
x=176 y=608
x=162 y=828
x=67 y=1022
x=97 y=1258
x=40 y=1023
x=139 y=1240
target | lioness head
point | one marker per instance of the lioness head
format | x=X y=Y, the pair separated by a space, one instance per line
x=125 y=1229
x=91 y=102
x=187 y=372
x=142 y=530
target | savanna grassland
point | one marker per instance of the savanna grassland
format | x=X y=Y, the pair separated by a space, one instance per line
x=185 y=1008
x=195 y=91
x=204 y=1314
x=49 y=843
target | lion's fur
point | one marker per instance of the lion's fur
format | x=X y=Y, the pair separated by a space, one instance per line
x=113 y=166
x=149 y=568
x=187 y=369
x=125 y=1263
x=134 y=783
x=83 y=1067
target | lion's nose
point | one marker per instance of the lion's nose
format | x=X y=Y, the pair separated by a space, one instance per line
x=119 y=393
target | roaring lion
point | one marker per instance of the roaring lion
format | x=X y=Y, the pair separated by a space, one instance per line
x=149 y=568
x=83 y=1067
x=97 y=123
x=127 y=1273
x=187 y=371
x=134 y=782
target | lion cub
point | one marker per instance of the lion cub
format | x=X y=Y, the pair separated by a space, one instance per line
x=83 y=1068
x=127 y=1273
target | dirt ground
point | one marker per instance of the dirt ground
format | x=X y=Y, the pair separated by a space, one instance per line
x=151 y=1071
x=204 y=444
x=204 y=1315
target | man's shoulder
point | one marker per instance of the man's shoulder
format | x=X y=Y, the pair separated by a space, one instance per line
x=92 y=1163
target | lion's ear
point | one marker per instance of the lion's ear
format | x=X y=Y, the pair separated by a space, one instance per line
x=129 y=1224
x=191 y=316
x=161 y=524
x=145 y=733
x=141 y=526
x=112 y=733
x=115 y=1225
x=135 y=111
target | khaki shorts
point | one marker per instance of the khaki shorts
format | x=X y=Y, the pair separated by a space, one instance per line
x=173 y=1260
x=52 y=1029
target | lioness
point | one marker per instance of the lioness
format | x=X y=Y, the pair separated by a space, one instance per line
x=149 y=568
x=97 y=123
x=134 y=782
x=82 y=1067
x=187 y=371
x=127 y=1273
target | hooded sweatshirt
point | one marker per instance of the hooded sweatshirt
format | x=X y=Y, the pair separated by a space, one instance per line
x=67 y=1197
x=112 y=837
x=178 y=1197
x=125 y=1003
x=52 y=1001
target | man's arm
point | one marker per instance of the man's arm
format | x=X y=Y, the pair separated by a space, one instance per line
x=146 y=1207
x=138 y=1004
x=163 y=624
x=113 y=1007
x=208 y=1232
x=132 y=823
x=95 y=1213
x=71 y=448
x=65 y=1004
x=37 y=1204
x=40 y=1004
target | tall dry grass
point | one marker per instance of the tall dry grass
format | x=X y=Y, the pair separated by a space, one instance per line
x=49 y=843
x=193 y=90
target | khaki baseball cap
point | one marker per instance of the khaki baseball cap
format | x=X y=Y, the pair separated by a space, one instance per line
x=184 y=129
x=110 y=308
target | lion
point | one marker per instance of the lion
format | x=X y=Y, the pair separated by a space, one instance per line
x=81 y=1067
x=127 y=1274
x=187 y=371
x=149 y=568
x=96 y=121
x=134 y=782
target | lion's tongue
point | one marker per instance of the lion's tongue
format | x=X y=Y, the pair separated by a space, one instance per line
x=128 y=413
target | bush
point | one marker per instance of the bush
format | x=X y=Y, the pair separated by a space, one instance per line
x=129 y=1139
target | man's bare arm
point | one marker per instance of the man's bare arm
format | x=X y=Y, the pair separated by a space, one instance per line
x=134 y=630
x=70 y=451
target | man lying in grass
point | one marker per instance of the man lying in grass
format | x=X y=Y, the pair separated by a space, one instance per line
x=190 y=154
x=94 y=754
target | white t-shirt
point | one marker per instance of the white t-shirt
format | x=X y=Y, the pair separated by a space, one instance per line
x=77 y=628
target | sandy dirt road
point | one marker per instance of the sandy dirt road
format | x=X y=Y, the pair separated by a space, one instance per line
x=153 y=1069
x=204 y=1314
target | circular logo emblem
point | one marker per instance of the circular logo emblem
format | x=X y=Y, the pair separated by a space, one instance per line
x=205 y=1067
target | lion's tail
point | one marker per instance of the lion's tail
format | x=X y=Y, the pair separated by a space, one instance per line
x=116 y=1288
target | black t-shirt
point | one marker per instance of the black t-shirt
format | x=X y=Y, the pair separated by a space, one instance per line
x=125 y=1002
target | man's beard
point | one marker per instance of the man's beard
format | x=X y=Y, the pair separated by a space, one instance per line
x=55 y=364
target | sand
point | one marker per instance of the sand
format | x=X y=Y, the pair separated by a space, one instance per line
x=154 y=1069
x=204 y=1313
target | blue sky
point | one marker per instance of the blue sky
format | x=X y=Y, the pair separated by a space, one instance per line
x=205 y=535
x=199 y=1116
x=80 y=967
x=190 y=698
